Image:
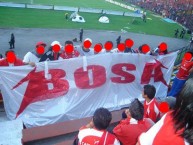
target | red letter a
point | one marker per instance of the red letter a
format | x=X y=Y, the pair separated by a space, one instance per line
x=153 y=70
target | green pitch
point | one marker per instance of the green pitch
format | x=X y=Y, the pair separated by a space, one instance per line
x=33 y=18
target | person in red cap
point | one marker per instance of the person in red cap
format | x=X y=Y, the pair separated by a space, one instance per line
x=69 y=51
x=185 y=69
x=11 y=59
x=129 y=43
x=34 y=56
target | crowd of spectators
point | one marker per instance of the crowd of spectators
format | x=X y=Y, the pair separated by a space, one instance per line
x=137 y=128
x=57 y=52
x=180 y=11
x=148 y=124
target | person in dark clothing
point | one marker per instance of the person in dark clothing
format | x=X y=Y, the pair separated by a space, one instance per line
x=118 y=40
x=53 y=53
x=129 y=43
x=144 y=16
x=191 y=43
x=182 y=33
x=176 y=33
x=1 y=56
x=12 y=41
x=66 y=16
x=81 y=34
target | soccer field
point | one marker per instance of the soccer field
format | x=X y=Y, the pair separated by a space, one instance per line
x=34 y=18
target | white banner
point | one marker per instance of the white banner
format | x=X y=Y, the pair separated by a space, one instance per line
x=70 y=89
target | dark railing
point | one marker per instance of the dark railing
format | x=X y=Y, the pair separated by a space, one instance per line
x=181 y=52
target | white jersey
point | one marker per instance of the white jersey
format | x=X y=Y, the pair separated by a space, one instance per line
x=30 y=57
x=84 y=53
x=116 y=50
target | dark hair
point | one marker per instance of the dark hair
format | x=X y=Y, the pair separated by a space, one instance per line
x=165 y=51
x=183 y=111
x=136 y=110
x=1 y=56
x=150 y=91
x=68 y=42
x=140 y=48
x=109 y=42
x=9 y=51
x=102 y=118
x=191 y=52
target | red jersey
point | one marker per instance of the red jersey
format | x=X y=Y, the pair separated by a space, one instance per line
x=92 y=136
x=128 y=130
x=18 y=62
x=151 y=110
x=185 y=67
x=65 y=55
x=162 y=133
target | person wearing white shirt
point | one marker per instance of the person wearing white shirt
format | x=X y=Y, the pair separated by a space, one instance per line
x=34 y=56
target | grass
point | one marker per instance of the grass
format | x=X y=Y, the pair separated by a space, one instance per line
x=34 y=18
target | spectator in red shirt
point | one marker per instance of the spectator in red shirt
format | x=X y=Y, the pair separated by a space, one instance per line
x=129 y=129
x=151 y=109
x=69 y=51
x=185 y=69
x=175 y=127
x=11 y=59
x=95 y=132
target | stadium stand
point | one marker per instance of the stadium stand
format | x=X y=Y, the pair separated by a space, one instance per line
x=180 y=11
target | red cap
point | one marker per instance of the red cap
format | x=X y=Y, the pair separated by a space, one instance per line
x=40 y=43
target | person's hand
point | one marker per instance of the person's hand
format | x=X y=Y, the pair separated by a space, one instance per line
x=30 y=63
